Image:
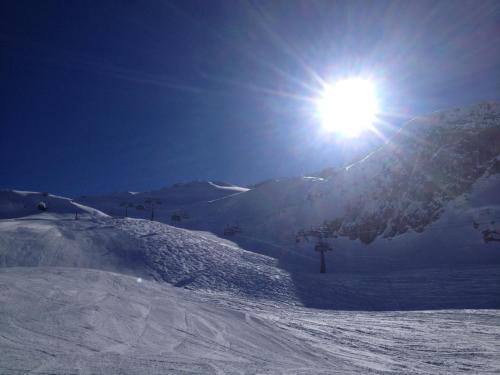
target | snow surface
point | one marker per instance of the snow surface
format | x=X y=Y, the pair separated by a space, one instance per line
x=60 y=320
x=233 y=311
x=203 y=262
x=50 y=239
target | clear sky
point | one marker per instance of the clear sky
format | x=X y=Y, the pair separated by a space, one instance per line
x=100 y=96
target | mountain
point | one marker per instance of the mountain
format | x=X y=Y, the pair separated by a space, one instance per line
x=405 y=185
x=439 y=174
x=167 y=201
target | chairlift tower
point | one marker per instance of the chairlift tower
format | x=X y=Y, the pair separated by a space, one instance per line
x=322 y=247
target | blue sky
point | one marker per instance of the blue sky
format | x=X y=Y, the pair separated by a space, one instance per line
x=101 y=96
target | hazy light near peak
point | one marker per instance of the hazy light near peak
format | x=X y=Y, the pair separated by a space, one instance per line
x=348 y=107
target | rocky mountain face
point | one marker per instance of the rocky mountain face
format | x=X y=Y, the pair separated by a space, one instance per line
x=406 y=184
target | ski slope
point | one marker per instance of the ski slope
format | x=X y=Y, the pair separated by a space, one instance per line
x=204 y=262
x=61 y=320
x=107 y=295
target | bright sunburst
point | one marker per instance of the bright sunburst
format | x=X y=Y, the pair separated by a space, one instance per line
x=348 y=107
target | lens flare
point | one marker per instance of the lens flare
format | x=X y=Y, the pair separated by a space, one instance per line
x=348 y=107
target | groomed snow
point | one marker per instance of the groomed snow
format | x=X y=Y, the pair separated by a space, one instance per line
x=62 y=321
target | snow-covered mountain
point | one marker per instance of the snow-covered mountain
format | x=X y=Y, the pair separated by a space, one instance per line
x=440 y=173
x=406 y=185
x=166 y=202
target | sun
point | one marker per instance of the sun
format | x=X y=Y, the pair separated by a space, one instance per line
x=348 y=107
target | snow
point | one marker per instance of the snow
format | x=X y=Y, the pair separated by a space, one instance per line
x=232 y=311
x=16 y=203
x=231 y=188
x=59 y=240
x=66 y=321
x=400 y=188
x=395 y=198
x=60 y=320
x=173 y=199
x=205 y=263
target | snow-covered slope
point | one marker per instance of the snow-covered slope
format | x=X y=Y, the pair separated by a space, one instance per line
x=80 y=321
x=144 y=249
x=16 y=203
x=167 y=201
x=203 y=262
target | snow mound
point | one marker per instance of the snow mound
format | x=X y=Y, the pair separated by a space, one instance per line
x=59 y=240
x=202 y=261
x=142 y=248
